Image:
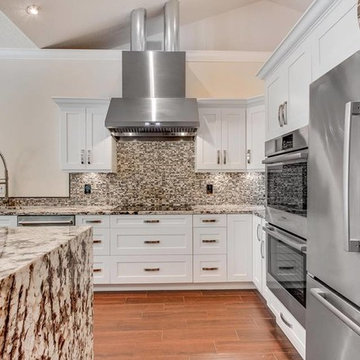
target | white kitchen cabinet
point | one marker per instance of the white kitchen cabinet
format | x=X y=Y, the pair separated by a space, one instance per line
x=209 y=268
x=336 y=38
x=259 y=255
x=221 y=138
x=287 y=94
x=101 y=270
x=8 y=221
x=153 y=269
x=255 y=133
x=86 y=144
x=239 y=247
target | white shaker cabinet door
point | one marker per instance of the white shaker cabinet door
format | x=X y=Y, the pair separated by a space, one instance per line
x=255 y=131
x=239 y=249
x=100 y=152
x=73 y=138
x=233 y=139
x=208 y=141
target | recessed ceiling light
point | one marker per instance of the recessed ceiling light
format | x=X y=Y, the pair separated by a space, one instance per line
x=157 y=124
x=147 y=124
x=32 y=10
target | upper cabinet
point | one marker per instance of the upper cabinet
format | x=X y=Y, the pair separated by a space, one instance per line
x=86 y=145
x=327 y=34
x=231 y=136
x=287 y=94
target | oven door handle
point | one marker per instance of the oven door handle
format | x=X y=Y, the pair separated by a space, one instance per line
x=292 y=243
x=300 y=156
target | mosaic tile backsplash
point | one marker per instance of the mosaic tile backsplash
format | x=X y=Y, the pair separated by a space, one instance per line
x=159 y=172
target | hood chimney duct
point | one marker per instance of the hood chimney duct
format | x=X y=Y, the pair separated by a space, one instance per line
x=138 y=30
x=172 y=23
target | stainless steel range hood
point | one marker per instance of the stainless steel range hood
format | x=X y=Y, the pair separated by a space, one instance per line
x=153 y=102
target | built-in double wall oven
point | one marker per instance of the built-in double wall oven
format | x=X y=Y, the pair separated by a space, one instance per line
x=286 y=223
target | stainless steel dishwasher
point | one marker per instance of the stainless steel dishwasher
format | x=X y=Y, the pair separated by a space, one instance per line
x=46 y=220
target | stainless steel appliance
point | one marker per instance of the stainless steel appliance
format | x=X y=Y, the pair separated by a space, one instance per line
x=286 y=270
x=46 y=220
x=333 y=311
x=286 y=181
x=153 y=102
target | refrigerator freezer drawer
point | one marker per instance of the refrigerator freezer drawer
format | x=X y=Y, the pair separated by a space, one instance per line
x=333 y=325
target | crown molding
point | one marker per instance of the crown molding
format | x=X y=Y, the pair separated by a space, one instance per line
x=317 y=10
x=212 y=102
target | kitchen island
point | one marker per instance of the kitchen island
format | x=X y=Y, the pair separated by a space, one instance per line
x=46 y=293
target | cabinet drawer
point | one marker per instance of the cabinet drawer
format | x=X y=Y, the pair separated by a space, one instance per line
x=101 y=221
x=159 y=241
x=8 y=221
x=208 y=220
x=101 y=270
x=151 y=269
x=101 y=240
x=150 y=221
x=290 y=326
x=209 y=240
x=210 y=268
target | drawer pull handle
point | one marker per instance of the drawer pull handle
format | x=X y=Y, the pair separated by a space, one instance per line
x=286 y=267
x=209 y=221
x=209 y=241
x=152 y=242
x=210 y=268
x=93 y=221
x=97 y=241
x=151 y=269
x=151 y=221
x=97 y=270
x=285 y=321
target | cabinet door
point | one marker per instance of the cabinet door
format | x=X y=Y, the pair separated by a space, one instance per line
x=99 y=154
x=299 y=79
x=233 y=139
x=73 y=144
x=337 y=37
x=276 y=94
x=264 y=261
x=255 y=131
x=208 y=141
x=257 y=253
x=239 y=249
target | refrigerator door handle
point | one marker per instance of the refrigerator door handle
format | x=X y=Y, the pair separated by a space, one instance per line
x=352 y=109
x=323 y=297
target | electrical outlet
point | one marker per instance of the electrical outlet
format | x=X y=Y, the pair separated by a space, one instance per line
x=209 y=189
x=87 y=189
x=2 y=190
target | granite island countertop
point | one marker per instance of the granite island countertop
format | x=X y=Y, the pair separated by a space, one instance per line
x=46 y=293
x=22 y=246
x=258 y=210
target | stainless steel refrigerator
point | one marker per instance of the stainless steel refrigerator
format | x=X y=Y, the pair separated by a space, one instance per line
x=333 y=282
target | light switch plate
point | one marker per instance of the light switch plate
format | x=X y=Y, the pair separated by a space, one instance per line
x=2 y=190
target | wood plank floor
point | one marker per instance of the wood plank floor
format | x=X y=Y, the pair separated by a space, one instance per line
x=187 y=325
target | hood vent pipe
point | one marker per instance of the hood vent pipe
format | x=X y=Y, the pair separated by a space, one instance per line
x=171 y=25
x=138 y=30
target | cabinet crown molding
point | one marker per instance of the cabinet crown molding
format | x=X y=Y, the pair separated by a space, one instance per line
x=241 y=103
x=317 y=10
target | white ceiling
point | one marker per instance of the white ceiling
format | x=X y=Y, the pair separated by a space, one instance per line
x=103 y=24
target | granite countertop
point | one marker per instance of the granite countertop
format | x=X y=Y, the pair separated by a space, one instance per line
x=258 y=210
x=21 y=246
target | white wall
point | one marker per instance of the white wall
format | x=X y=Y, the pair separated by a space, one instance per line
x=29 y=130
x=255 y=27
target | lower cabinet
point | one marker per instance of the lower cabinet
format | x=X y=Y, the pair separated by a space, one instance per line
x=259 y=255
x=150 y=269
x=169 y=249
x=239 y=247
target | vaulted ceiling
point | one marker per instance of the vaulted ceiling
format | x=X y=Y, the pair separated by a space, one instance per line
x=104 y=24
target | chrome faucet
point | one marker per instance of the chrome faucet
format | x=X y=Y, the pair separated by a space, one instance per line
x=5 y=181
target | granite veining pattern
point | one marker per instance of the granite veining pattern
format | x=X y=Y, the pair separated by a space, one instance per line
x=46 y=294
x=158 y=173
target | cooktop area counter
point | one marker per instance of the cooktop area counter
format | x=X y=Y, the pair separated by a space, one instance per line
x=46 y=293
x=134 y=210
